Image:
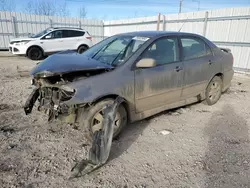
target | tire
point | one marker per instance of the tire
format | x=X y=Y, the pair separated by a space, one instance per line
x=35 y=53
x=88 y=119
x=213 y=91
x=82 y=49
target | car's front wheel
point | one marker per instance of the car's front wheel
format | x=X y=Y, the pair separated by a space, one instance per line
x=93 y=118
x=35 y=53
x=213 y=91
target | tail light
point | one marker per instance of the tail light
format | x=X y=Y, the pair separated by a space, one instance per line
x=89 y=38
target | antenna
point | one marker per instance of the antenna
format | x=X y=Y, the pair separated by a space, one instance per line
x=183 y=25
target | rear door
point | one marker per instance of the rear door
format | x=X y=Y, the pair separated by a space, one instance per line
x=199 y=65
x=71 y=39
x=162 y=84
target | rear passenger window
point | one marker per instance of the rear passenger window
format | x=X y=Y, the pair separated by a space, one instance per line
x=72 y=33
x=163 y=51
x=194 y=48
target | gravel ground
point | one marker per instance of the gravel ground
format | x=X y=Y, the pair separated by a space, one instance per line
x=201 y=146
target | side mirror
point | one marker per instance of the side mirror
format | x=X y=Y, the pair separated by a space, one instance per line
x=48 y=37
x=146 y=63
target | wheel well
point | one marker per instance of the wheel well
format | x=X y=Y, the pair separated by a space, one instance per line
x=125 y=103
x=219 y=75
x=83 y=45
x=36 y=47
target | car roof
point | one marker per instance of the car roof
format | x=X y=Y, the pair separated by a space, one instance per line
x=152 y=34
x=70 y=28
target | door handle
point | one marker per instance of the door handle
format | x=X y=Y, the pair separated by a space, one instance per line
x=210 y=62
x=60 y=40
x=178 y=68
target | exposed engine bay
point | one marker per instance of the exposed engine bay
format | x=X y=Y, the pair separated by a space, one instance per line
x=52 y=91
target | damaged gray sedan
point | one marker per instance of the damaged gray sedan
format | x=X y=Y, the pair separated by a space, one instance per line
x=151 y=71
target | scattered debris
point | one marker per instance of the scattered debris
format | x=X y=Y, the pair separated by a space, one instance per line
x=242 y=91
x=174 y=113
x=6 y=166
x=8 y=107
x=165 y=132
x=6 y=129
x=203 y=111
x=22 y=73
x=101 y=143
x=11 y=146
x=179 y=111
x=232 y=141
x=4 y=106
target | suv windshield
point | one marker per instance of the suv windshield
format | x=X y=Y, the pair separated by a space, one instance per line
x=41 y=33
x=115 y=50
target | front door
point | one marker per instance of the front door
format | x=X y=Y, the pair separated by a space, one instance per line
x=162 y=84
x=53 y=42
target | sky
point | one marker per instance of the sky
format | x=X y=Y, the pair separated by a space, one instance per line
x=119 y=9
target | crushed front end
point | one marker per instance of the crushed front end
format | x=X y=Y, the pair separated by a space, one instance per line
x=51 y=95
x=52 y=79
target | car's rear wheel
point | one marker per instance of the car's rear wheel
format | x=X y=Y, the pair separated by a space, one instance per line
x=82 y=49
x=92 y=120
x=214 y=90
x=35 y=53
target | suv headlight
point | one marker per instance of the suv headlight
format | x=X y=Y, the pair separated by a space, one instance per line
x=22 y=42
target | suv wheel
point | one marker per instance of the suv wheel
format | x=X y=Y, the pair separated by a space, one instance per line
x=35 y=53
x=214 y=90
x=82 y=49
x=92 y=120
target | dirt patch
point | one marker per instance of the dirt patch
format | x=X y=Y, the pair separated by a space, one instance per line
x=194 y=146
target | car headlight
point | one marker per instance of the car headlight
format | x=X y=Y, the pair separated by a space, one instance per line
x=67 y=88
x=22 y=42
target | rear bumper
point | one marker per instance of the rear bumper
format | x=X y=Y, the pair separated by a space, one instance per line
x=227 y=78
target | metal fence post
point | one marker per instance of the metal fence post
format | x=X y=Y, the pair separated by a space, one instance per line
x=50 y=23
x=205 y=24
x=164 y=23
x=158 y=22
x=14 y=29
x=80 y=24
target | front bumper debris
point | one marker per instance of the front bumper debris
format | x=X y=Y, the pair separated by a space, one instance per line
x=31 y=101
x=101 y=143
x=51 y=102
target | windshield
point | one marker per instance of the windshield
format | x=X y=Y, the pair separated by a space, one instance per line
x=115 y=50
x=41 y=33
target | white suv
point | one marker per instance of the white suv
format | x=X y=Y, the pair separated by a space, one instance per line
x=50 y=41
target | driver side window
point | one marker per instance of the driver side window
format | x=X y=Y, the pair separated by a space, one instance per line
x=163 y=51
x=54 y=35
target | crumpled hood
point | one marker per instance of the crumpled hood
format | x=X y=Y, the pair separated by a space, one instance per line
x=60 y=63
